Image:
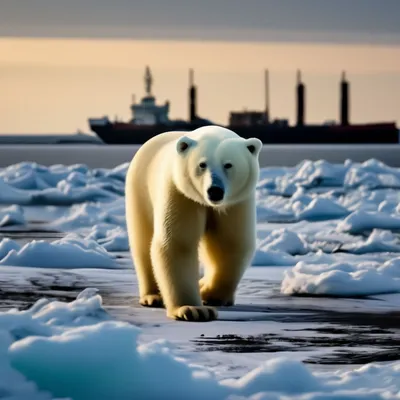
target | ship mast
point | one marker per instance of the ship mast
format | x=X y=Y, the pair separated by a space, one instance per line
x=267 y=106
x=300 y=106
x=148 y=81
x=344 y=100
x=192 y=97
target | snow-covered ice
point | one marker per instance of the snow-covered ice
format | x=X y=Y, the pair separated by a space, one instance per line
x=13 y=215
x=343 y=279
x=328 y=241
x=30 y=183
x=69 y=252
x=76 y=350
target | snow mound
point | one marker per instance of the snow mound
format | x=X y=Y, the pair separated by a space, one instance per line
x=74 y=350
x=272 y=258
x=87 y=215
x=320 y=209
x=377 y=242
x=69 y=252
x=319 y=190
x=113 y=239
x=360 y=221
x=370 y=174
x=31 y=183
x=343 y=279
x=12 y=215
x=284 y=240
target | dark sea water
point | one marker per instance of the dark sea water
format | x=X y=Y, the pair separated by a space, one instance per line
x=109 y=156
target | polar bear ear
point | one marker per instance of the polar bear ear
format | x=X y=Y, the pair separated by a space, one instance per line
x=184 y=143
x=254 y=145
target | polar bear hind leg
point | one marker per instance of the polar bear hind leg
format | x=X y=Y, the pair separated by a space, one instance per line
x=140 y=236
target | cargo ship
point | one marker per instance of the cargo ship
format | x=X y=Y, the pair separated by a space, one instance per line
x=150 y=119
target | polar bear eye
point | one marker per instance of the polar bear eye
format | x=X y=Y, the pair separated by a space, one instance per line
x=227 y=165
x=203 y=165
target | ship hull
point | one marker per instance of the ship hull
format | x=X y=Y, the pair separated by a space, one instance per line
x=119 y=134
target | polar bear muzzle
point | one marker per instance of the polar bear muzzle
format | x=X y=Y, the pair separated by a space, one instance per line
x=216 y=191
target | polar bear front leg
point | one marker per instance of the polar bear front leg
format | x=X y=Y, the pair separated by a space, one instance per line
x=174 y=254
x=227 y=249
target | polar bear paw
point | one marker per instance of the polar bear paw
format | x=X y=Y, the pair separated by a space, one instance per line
x=194 y=313
x=152 y=300
x=217 y=297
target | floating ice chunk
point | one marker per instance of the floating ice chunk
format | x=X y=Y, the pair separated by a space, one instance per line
x=387 y=206
x=272 y=258
x=84 y=215
x=43 y=319
x=7 y=245
x=30 y=183
x=110 y=237
x=377 y=242
x=270 y=377
x=69 y=252
x=372 y=174
x=340 y=279
x=13 y=215
x=391 y=267
x=266 y=214
x=360 y=221
x=46 y=317
x=284 y=240
x=13 y=384
x=66 y=194
x=321 y=209
x=11 y=195
x=116 y=240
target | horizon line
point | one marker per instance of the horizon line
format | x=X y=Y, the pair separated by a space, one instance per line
x=249 y=36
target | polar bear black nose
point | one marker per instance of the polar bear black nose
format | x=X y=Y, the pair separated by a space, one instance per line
x=215 y=193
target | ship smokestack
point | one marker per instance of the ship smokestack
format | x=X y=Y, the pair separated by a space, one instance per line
x=192 y=97
x=300 y=92
x=267 y=109
x=344 y=100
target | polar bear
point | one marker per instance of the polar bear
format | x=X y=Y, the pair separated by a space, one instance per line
x=190 y=197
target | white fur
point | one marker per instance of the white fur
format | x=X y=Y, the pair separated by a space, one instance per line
x=170 y=218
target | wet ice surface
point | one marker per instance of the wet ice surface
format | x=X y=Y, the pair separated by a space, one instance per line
x=323 y=288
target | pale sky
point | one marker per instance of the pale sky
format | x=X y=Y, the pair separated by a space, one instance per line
x=265 y=20
x=59 y=66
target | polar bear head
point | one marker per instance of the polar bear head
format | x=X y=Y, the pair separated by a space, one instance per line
x=215 y=167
